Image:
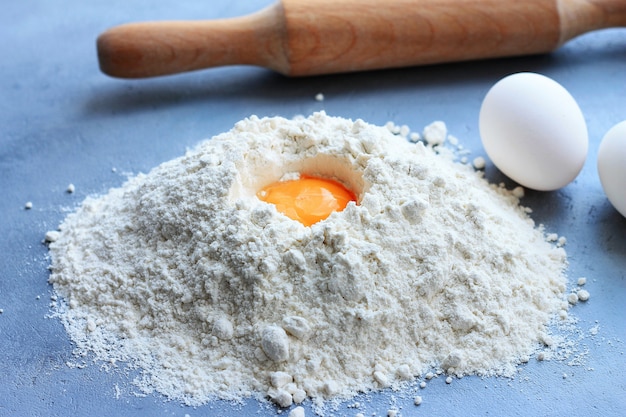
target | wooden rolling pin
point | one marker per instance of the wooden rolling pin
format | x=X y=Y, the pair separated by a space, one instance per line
x=310 y=37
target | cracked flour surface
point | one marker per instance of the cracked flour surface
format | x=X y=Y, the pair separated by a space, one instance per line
x=186 y=275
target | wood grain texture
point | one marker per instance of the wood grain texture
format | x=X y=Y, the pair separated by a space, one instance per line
x=581 y=16
x=368 y=34
x=303 y=37
x=150 y=49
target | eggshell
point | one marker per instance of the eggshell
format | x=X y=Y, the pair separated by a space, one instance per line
x=612 y=166
x=533 y=130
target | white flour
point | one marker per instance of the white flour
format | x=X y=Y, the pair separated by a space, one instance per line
x=184 y=273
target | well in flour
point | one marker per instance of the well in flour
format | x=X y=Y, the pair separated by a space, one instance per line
x=185 y=274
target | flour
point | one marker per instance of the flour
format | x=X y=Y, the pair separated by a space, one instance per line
x=212 y=293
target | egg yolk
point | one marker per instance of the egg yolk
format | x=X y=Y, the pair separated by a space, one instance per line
x=307 y=199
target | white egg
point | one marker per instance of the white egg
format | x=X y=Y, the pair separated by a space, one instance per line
x=533 y=130
x=612 y=166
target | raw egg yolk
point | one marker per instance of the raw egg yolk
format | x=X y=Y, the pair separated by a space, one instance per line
x=307 y=199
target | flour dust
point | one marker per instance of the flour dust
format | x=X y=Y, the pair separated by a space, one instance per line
x=184 y=274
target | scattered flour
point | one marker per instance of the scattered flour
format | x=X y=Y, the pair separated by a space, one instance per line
x=186 y=275
x=297 y=412
x=479 y=162
x=436 y=133
x=51 y=236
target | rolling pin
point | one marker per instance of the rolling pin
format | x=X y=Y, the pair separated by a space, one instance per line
x=312 y=37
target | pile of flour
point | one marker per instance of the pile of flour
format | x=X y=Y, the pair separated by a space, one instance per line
x=212 y=293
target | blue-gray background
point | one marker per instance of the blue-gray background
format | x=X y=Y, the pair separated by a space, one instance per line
x=62 y=122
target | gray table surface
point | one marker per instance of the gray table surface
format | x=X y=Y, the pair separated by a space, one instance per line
x=62 y=122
